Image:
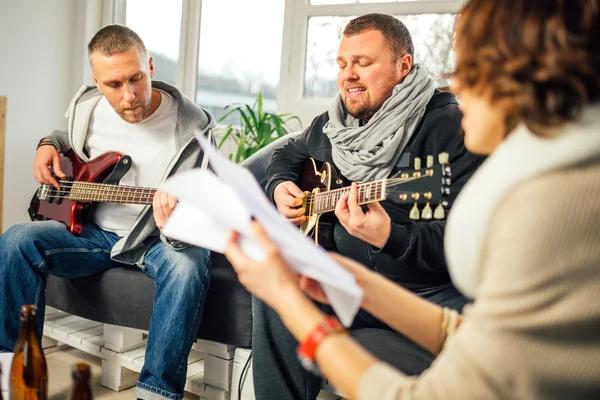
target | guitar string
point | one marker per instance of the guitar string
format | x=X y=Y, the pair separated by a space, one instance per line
x=96 y=184
x=330 y=198
x=362 y=188
x=87 y=190
x=91 y=197
x=92 y=191
x=147 y=200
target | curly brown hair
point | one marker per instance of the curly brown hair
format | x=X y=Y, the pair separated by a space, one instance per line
x=543 y=56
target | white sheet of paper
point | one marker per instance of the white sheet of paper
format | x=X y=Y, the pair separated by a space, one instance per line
x=210 y=208
x=207 y=213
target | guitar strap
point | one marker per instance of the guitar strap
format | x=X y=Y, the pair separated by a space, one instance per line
x=120 y=169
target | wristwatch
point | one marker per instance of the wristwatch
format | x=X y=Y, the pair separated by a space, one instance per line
x=307 y=348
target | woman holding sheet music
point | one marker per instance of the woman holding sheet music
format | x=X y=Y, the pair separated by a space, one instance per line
x=522 y=238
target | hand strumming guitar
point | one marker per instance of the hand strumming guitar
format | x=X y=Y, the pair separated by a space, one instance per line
x=372 y=226
x=47 y=156
x=288 y=197
x=163 y=205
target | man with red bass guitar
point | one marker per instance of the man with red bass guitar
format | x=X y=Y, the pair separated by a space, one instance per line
x=147 y=129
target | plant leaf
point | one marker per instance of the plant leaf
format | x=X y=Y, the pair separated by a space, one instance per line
x=256 y=129
x=225 y=136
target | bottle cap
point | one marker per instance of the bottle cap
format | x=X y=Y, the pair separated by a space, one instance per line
x=28 y=311
x=80 y=371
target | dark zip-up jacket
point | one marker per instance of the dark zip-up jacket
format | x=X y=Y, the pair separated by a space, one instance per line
x=414 y=253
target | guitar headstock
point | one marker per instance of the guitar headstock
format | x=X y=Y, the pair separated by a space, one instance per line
x=429 y=185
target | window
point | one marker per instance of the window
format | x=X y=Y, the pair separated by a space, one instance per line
x=221 y=52
x=240 y=53
x=312 y=32
x=320 y=2
x=158 y=23
x=432 y=39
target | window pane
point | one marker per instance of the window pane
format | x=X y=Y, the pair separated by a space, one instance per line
x=432 y=37
x=240 y=52
x=158 y=23
x=321 y=2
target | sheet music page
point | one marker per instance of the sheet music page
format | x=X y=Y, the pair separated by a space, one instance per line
x=211 y=207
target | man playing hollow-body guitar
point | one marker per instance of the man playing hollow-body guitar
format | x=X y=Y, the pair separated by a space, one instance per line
x=386 y=115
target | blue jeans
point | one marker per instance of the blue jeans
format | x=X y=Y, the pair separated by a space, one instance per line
x=31 y=251
x=278 y=375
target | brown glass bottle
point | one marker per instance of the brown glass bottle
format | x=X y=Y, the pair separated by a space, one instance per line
x=29 y=373
x=0 y=382
x=81 y=382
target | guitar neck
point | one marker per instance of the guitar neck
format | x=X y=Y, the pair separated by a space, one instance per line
x=106 y=193
x=369 y=192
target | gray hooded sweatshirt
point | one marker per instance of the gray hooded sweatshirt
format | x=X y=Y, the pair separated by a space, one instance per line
x=191 y=118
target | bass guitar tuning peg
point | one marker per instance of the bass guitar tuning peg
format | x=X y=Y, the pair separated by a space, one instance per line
x=429 y=161
x=440 y=212
x=414 y=213
x=443 y=158
x=427 y=212
x=417 y=163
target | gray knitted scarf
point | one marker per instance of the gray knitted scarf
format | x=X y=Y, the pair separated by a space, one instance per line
x=370 y=152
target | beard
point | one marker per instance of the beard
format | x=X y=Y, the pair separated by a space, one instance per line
x=133 y=118
x=360 y=109
x=364 y=108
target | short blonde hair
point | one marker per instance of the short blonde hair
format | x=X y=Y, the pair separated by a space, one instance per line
x=113 y=39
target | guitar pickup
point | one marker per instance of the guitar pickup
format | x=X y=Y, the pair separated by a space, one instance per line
x=63 y=192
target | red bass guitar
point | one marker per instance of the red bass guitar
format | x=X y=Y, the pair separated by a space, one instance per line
x=86 y=185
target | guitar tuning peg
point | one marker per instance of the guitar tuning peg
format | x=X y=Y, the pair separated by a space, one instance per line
x=417 y=163
x=427 y=212
x=439 y=212
x=443 y=158
x=414 y=212
x=429 y=161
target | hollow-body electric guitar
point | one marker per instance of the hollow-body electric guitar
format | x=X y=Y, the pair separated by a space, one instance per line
x=86 y=185
x=323 y=186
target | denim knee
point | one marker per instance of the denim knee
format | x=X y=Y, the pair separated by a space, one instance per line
x=25 y=240
x=20 y=234
x=189 y=266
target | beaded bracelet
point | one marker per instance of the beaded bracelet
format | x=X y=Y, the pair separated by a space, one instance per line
x=449 y=324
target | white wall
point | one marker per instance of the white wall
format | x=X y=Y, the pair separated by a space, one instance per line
x=42 y=48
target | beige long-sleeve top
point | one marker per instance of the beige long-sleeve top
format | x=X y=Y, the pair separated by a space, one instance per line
x=533 y=331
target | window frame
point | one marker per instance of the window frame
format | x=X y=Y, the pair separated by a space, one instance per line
x=189 y=40
x=290 y=94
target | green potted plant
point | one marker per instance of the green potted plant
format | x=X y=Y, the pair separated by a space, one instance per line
x=256 y=130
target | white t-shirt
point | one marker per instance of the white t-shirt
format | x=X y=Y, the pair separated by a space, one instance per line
x=151 y=146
